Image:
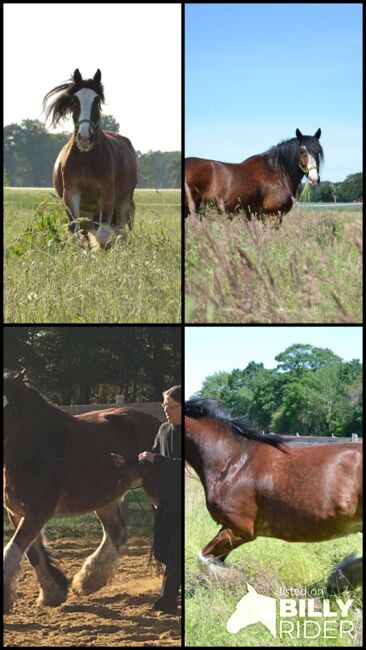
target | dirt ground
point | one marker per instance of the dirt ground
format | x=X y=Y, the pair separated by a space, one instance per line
x=120 y=614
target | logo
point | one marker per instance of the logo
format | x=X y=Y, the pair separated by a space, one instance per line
x=304 y=618
x=253 y=608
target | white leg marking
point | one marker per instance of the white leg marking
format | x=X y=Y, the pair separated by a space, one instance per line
x=12 y=559
x=103 y=233
x=98 y=569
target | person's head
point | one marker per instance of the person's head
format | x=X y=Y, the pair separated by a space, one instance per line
x=172 y=404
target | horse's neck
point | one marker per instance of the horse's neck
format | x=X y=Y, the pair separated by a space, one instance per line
x=207 y=452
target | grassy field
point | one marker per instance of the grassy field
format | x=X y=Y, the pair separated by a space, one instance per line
x=307 y=271
x=266 y=564
x=51 y=278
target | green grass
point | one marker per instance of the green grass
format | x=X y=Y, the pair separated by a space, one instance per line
x=309 y=270
x=51 y=278
x=266 y=564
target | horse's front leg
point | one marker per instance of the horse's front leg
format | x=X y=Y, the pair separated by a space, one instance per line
x=214 y=553
x=72 y=203
x=53 y=583
x=100 y=237
x=125 y=216
x=27 y=529
x=99 y=568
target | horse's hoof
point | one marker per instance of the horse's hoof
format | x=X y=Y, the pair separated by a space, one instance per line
x=51 y=600
x=8 y=604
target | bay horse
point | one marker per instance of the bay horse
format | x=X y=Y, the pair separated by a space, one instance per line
x=96 y=171
x=257 y=485
x=57 y=464
x=266 y=183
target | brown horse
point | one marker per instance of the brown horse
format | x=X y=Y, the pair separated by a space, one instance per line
x=256 y=485
x=56 y=464
x=96 y=171
x=266 y=183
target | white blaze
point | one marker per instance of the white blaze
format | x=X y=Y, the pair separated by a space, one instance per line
x=313 y=173
x=86 y=97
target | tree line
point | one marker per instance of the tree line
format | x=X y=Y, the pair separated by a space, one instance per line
x=83 y=365
x=30 y=153
x=347 y=191
x=312 y=391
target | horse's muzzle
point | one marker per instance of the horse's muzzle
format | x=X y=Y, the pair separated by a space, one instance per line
x=85 y=143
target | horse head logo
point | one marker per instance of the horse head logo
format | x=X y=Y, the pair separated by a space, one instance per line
x=253 y=608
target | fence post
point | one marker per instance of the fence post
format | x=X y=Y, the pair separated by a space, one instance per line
x=354 y=437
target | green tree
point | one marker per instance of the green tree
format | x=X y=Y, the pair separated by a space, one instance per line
x=299 y=357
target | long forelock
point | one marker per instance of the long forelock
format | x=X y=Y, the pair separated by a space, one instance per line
x=314 y=147
x=61 y=104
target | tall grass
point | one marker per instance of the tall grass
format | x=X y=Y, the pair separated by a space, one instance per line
x=51 y=278
x=307 y=271
x=267 y=565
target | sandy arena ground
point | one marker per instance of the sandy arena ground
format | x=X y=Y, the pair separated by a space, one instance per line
x=120 y=614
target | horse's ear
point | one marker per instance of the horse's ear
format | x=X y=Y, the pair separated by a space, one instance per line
x=98 y=76
x=299 y=135
x=77 y=76
x=317 y=134
x=251 y=589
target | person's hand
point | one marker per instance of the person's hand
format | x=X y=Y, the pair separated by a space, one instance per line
x=118 y=460
x=146 y=456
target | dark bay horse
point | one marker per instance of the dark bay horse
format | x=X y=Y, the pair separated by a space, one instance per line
x=96 y=171
x=266 y=183
x=255 y=485
x=56 y=464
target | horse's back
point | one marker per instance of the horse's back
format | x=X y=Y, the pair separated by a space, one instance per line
x=118 y=416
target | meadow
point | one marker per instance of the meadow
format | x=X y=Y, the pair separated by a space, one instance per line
x=309 y=270
x=51 y=278
x=267 y=565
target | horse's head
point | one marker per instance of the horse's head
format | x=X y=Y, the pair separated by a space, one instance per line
x=15 y=383
x=310 y=155
x=85 y=107
x=81 y=98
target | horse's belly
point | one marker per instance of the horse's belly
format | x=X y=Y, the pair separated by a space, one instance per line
x=307 y=529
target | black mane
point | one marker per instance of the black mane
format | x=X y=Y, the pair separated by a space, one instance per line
x=285 y=157
x=61 y=105
x=211 y=408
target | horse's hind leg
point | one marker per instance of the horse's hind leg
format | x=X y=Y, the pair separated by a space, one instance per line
x=347 y=574
x=98 y=569
x=54 y=584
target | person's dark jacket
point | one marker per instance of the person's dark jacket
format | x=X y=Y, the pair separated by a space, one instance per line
x=168 y=465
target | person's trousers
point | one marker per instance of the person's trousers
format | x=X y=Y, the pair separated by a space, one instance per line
x=171 y=583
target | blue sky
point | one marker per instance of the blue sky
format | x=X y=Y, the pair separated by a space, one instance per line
x=213 y=349
x=256 y=72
